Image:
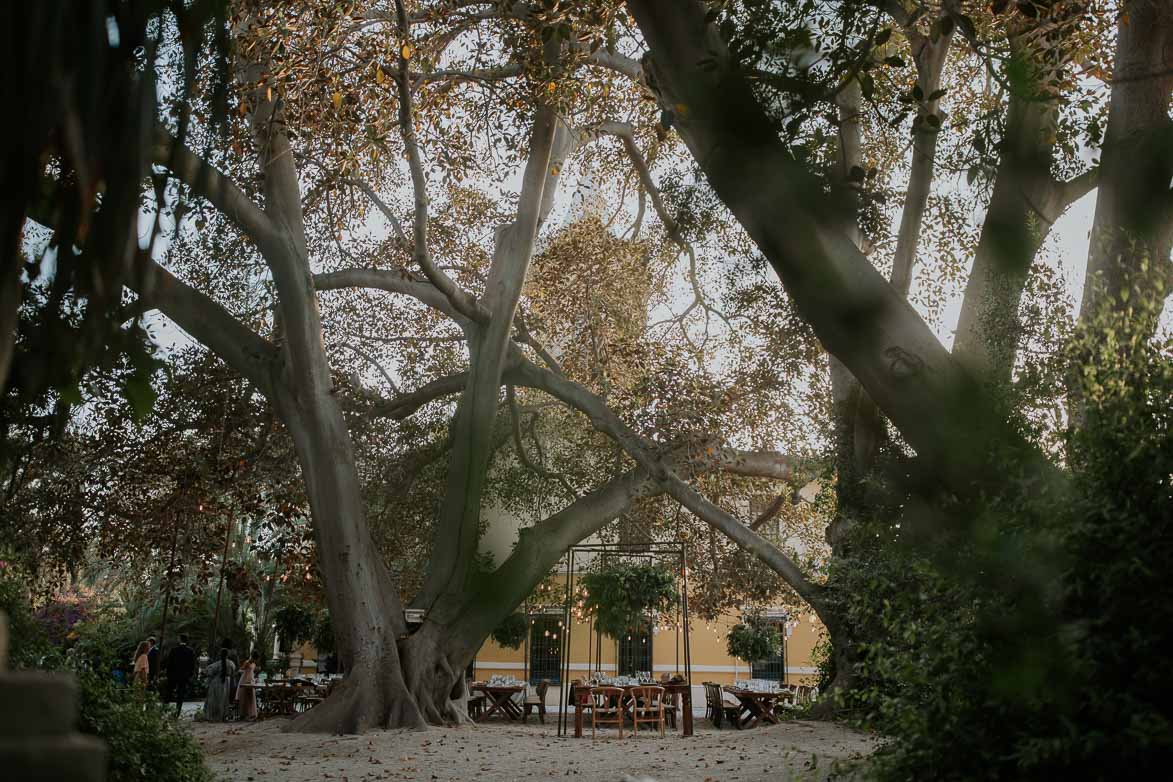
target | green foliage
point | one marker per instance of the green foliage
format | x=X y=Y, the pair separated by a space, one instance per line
x=510 y=634
x=145 y=743
x=295 y=623
x=620 y=595
x=323 y=639
x=28 y=644
x=753 y=640
x=980 y=667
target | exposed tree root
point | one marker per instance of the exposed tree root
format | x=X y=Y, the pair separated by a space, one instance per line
x=410 y=685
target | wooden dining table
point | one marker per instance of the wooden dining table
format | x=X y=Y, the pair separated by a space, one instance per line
x=580 y=695
x=500 y=697
x=281 y=698
x=757 y=705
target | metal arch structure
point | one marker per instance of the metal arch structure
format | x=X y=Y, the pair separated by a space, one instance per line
x=650 y=550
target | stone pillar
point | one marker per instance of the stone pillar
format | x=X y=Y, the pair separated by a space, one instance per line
x=38 y=714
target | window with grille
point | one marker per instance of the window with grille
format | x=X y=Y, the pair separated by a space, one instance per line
x=545 y=649
x=773 y=668
x=635 y=651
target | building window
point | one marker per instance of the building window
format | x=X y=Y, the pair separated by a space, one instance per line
x=773 y=668
x=635 y=651
x=545 y=649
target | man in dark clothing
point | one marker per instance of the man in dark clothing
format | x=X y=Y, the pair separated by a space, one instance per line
x=152 y=662
x=181 y=665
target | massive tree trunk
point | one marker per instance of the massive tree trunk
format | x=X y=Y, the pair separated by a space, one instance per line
x=364 y=602
x=1133 y=227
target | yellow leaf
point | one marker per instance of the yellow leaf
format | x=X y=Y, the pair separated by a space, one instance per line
x=337 y=100
x=406 y=51
x=379 y=75
x=269 y=93
x=551 y=87
x=554 y=170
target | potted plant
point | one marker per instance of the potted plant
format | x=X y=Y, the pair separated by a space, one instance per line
x=510 y=634
x=753 y=640
x=621 y=596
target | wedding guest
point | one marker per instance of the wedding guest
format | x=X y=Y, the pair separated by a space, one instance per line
x=141 y=665
x=219 y=675
x=246 y=695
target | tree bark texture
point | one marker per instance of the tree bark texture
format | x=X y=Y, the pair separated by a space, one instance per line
x=1133 y=226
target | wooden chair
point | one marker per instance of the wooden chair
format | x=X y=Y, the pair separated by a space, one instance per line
x=538 y=702
x=606 y=708
x=671 y=701
x=476 y=706
x=720 y=711
x=710 y=704
x=647 y=707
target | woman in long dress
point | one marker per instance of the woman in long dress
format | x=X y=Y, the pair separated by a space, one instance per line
x=246 y=695
x=142 y=665
x=219 y=685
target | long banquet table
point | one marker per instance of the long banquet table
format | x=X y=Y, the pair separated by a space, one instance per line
x=580 y=695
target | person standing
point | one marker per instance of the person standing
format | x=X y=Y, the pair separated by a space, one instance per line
x=220 y=675
x=152 y=662
x=180 y=668
x=141 y=665
x=246 y=694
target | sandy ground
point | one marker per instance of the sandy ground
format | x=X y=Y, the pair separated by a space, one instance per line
x=794 y=750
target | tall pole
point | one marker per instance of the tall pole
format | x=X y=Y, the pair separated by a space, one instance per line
x=167 y=582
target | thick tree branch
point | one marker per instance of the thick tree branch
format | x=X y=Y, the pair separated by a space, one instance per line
x=626 y=133
x=208 y=322
x=929 y=57
x=856 y=314
x=455 y=540
x=644 y=454
x=1067 y=193
x=209 y=183
x=461 y=300
x=515 y=421
x=382 y=206
x=391 y=281
x=538 y=550
x=405 y=405
x=770 y=512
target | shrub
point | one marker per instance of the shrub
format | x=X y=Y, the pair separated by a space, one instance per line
x=620 y=596
x=510 y=634
x=1040 y=647
x=28 y=645
x=145 y=743
x=753 y=640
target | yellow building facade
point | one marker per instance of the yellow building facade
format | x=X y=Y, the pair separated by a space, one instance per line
x=541 y=655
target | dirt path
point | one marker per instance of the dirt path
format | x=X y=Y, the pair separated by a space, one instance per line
x=510 y=751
